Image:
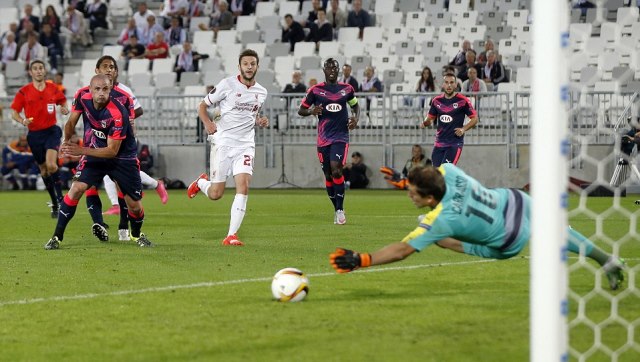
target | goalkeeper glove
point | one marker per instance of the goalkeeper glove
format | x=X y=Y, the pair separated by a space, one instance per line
x=345 y=260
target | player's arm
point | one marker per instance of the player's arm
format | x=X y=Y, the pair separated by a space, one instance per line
x=355 y=108
x=344 y=260
x=428 y=121
x=209 y=125
x=261 y=121
x=307 y=107
x=73 y=149
x=70 y=126
x=137 y=112
x=18 y=118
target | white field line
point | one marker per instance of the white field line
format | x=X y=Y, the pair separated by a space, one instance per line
x=219 y=283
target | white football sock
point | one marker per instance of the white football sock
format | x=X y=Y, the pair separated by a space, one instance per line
x=112 y=192
x=148 y=180
x=204 y=186
x=238 y=209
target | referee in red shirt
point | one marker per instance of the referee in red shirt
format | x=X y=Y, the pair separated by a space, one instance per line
x=38 y=100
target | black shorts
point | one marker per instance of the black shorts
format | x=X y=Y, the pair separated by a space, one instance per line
x=335 y=152
x=43 y=140
x=126 y=173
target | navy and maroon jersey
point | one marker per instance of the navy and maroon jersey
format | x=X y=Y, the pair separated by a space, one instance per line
x=110 y=122
x=450 y=113
x=119 y=94
x=333 y=123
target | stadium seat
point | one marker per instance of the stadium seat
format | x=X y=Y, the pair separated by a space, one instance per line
x=353 y=48
x=385 y=62
x=348 y=34
x=162 y=80
x=436 y=63
x=606 y=86
x=610 y=32
x=360 y=62
x=465 y=19
x=406 y=6
x=140 y=78
x=249 y=36
x=448 y=33
x=492 y=18
x=372 y=34
x=578 y=35
x=260 y=48
x=397 y=34
x=160 y=66
x=612 y=7
x=411 y=61
x=304 y=49
x=420 y=35
x=265 y=76
x=516 y=60
x=210 y=49
x=189 y=78
x=622 y=74
x=476 y=32
x=379 y=48
x=195 y=90
x=310 y=62
x=432 y=6
x=458 y=6
x=484 y=5
x=328 y=49
x=439 y=19
x=606 y=62
x=390 y=76
x=265 y=8
x=523 y=78
x=499 y=32
x=202 y=37
x=523 y=33
x=278 y=49
x=246 y=22
x=404 y=47
x=119 y=8
x=389 y=20
x=138 y=66
x=509 y=46
x=271 y=36
x=268 y=22
x=289 y=7
x=517 y=17
x=416 y=19
x=506 y=5
x=589 y=76
x=194 y=23
x=431 y=48
x=113 y=50
x=596 y=16
x=318 y=74
x=226 y=37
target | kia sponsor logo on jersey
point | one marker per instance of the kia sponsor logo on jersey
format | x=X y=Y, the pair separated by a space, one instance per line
x=333 y=107
x=99 y=134
x=445 y=118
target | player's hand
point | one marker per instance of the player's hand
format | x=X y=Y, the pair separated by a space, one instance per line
x=27 y=121
x=71 y=149
x=210 y=127
x=425 y=123
x=262 y=121
x=459 y=132
x=316 y=110
x=64 y=110
x=353 y=123
x=345 y=260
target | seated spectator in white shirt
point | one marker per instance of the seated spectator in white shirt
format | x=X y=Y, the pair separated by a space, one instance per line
x=141 y=15
x=9 y=50
x=31 y=50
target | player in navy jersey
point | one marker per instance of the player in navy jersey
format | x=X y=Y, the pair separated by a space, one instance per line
x=328 y=101
x=449 y=111
x=109 y=149
x=468 y=218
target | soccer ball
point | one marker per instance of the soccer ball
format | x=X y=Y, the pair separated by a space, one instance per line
x=290 y=285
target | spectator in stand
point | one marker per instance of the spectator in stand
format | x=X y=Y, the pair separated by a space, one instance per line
x=172 y=8
x=312 y=82
x=23 y=35
x=9 y=50
x=348 y=78
x=583 y=5
x=17 y=156
x=313 y=14
x=58 y=80
x=320 y=30
x=370 y=83
x=222 y=21
x=130 y=30
x=470 y=63
x=29 y=18
x=13 y=29
x=488 y=45
x=399 y=179
x=146 y=159
x=461 y=58
x=358 y=17
x=355 y=173
x=133 y=50
x=175 y=35
x=97 y=14
x=142 y=14
x=296 y=85
x=426 y=83
x=31 y=50
x=51 y=17
x=158 y=49
x=75 y=27
x=51 y=41
x=242 y=7
x=473 y=84
x=150 y=30
x=337 y=17
x=292 y=32
x=188 y=60
x=493 y=71
x=195 y=9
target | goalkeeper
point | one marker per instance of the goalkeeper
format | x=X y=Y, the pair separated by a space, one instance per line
x=469 y=218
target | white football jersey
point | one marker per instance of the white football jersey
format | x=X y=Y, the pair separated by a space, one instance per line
x=239 y=106
x=136 y=104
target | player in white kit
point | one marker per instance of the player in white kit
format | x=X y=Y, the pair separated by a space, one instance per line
x=232 y=138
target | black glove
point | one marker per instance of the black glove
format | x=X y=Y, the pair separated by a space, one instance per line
x=345 y=260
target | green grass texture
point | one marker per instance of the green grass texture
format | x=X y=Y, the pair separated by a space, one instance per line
x=191 y=299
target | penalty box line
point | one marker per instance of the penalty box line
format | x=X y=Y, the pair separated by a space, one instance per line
x=221 y=283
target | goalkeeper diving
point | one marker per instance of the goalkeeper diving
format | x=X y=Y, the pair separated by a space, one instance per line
x=469 y=218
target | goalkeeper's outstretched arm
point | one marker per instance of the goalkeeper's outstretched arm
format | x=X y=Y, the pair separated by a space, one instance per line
x=344 y=260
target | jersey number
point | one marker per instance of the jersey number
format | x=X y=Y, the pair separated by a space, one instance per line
x=247 y=160
x=486 y=199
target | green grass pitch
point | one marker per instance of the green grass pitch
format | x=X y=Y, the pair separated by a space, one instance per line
x=191 y=299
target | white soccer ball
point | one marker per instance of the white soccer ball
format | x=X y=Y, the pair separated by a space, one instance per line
x=290 y=285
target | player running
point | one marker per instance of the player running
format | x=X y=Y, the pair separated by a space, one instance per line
x=328 y=101
x=232 y=137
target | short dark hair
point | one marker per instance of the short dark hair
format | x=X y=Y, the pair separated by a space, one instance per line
x=331 y=62
x=248 y=53
x=356 y=154
x=428 y=181
x=36 y=62
x=104 y=58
